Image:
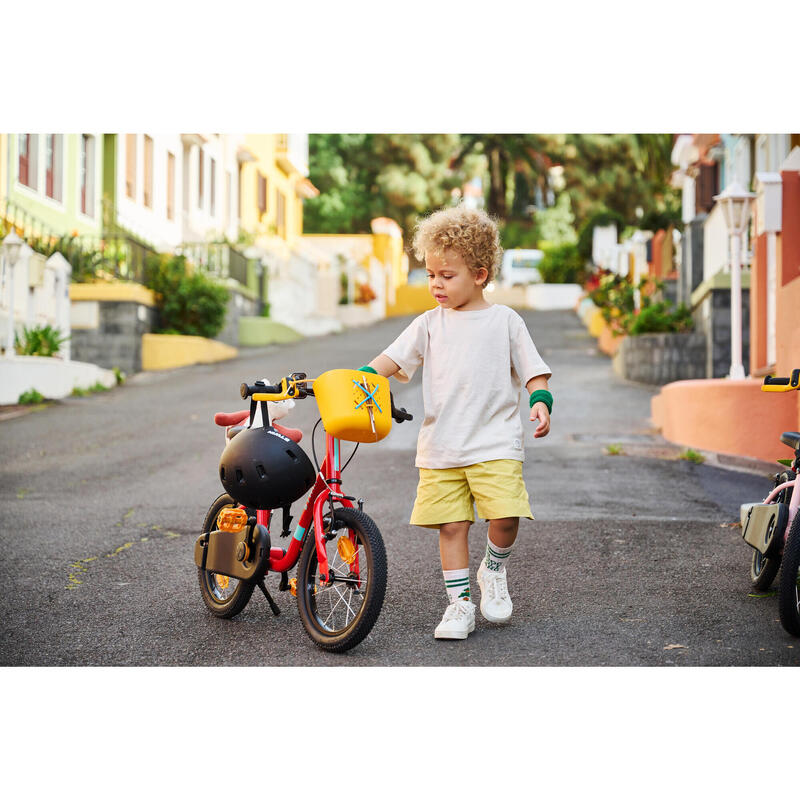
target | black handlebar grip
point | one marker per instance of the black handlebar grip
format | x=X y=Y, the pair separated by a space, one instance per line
x=768 y=381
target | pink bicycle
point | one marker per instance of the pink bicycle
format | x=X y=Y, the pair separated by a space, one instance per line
x=772 y=527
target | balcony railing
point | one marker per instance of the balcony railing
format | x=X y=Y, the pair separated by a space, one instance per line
x=117 y=255
x=218 y=259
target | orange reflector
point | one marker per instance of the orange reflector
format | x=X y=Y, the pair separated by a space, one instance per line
x=223 y=581
x=347 y=550
x=232 y=520
x=293 y=586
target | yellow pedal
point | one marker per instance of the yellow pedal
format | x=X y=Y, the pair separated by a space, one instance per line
x=347 y=550
x=232 y=520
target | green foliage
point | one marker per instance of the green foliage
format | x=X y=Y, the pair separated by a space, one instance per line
x=78 y=392
x=362 y=176
x=615 y=296
x=40 y=340
x=30 y=398
x=562 y=263
x=189 y=303
x=693 y=456
x=119 y=375
x=518 y=234
x=556 y=223
x=404 y=176
x=614 y=450
x=600 y=219
x=659 y=317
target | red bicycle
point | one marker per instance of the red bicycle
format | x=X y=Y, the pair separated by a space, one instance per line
x=338 y=549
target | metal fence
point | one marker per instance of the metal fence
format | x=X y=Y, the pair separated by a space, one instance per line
x=117 y=255
x=218 y=259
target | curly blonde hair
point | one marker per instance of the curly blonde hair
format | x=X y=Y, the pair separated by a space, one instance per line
x=471 y=233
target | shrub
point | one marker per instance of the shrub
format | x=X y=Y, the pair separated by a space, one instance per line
x=660 y=317
x=40 y=340
x=189 y=303
x=30 y=398
x=562 y=263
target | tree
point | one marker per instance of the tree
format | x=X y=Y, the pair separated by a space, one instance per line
x=362 y=176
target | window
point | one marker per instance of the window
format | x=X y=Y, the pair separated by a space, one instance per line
x=54 y=160
x=28 y=159
x=280 y=213
x=170 y=186
x=200 y=165
x=261 y=194
x=148 y=171
x=707 y=186
x=87 y=174
x=130 y=165
x=212 y=180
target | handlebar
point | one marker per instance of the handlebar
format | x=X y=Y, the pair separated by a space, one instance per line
x=295 y=386
x=782 y=384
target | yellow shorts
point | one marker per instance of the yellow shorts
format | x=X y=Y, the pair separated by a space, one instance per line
x=446 y=495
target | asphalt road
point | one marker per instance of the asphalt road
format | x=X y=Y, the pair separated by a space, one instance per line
x=632 y=559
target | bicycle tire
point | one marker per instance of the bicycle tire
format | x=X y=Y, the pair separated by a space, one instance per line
x=224 y=597
x=315 y=600
x=763 y=570
x=789 y=591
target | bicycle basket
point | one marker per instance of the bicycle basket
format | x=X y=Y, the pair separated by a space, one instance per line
x=354 y=405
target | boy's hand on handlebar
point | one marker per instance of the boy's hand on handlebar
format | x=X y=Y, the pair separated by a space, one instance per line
x=540 y=414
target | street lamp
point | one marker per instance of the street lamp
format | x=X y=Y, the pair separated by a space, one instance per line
x=735 y=204
x=11 y=247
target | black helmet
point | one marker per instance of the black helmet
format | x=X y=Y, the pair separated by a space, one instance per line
x=261 y=468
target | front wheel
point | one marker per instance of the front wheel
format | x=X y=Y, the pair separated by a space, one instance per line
x=789 y=592
x=763 y=570
x=224 y=597
x=338 y=615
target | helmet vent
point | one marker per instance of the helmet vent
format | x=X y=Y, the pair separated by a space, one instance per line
x=291 y=455
x=262 y=473
x=239 y=476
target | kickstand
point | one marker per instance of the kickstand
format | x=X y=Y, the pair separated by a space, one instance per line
x=275 y=610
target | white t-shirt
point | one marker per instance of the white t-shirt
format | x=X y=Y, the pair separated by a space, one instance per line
x=474 y=366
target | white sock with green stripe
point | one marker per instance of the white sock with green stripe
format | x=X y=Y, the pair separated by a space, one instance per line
x=496 y=557
x=456 y=582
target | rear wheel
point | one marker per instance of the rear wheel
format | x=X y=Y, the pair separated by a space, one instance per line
x=338 y=615
x=224 y=597
x=789 y=592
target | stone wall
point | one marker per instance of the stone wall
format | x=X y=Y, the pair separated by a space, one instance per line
x=109 y=333
x=239 y=305
x=713 y=317
x=659 y=358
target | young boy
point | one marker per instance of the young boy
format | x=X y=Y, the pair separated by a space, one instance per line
x=476 y=357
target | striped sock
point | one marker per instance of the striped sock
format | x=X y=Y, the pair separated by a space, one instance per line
x=496 y=557
x=456 y=582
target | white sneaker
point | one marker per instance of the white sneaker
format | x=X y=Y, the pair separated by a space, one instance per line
x=496 y=605
x=458 y=620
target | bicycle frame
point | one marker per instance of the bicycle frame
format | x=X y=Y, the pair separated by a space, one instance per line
x=794 y=502
x=329 y=475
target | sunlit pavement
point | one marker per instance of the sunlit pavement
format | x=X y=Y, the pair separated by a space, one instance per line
x=632 y=559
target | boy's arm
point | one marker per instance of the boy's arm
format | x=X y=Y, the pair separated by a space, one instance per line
x=384 y=365
x=539 y=412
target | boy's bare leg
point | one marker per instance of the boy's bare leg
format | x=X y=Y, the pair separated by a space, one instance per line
x=453 y=547
x=503 y=532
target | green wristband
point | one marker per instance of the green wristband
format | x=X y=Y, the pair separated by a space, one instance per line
x=368 y=369
x=542 y=396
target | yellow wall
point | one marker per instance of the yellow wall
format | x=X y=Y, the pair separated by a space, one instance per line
x=264 y=146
